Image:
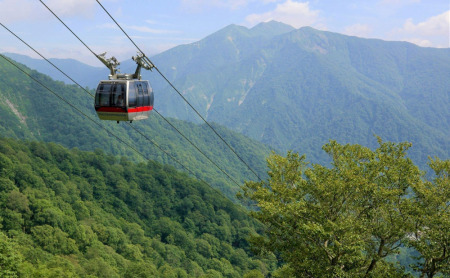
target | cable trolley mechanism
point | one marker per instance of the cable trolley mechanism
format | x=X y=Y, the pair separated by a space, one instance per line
x=124 y=97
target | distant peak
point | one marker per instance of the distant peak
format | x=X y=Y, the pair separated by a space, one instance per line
x=272 y=28
x=307 y=28
x=273 y=24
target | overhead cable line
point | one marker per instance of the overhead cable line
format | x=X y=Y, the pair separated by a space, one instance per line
x=68 y=28
x=152 y=141
x=109 y=132
x=45 y=58
x=153 y=109
x=181 y=95
x=71 y=105
x=195 y=146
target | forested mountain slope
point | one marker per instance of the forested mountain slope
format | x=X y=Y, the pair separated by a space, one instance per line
x=70 y=213
x=296 y=89
x=29 y=111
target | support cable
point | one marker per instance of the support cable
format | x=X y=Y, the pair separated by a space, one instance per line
x=167 y=81
x=71 y=105
x=181 y=95
x=152 y=141
x=187 y=139
x=109 y=132
x=68 y=28
x=45 y=58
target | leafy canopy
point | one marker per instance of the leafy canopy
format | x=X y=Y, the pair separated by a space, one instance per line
x=346 y=219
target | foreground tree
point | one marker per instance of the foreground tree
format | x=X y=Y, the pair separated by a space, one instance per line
x=432 y=223
x=340 y=221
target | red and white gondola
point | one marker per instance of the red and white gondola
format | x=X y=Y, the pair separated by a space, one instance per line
x=124 y=97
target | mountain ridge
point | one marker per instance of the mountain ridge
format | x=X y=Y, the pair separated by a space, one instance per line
x=320 y=85
x=343 y=87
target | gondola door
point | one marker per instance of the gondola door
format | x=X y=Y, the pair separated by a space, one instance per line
x=132 y=101
x=140 y=99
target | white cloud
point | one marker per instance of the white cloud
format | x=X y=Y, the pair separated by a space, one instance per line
x=435 y=31
x=198 y=5
x=84 y=8
x=23 y=10
x=421 y=42
x=291 y=12
x=359 y=30
x=434 y=26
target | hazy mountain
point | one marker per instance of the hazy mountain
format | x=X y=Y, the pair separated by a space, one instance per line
x=296 y=89
x=85 y=75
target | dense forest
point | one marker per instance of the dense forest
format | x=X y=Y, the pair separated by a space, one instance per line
x=71 y=213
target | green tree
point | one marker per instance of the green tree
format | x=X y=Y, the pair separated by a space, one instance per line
x=340 y=221
x=53 y=240
x=254 y=274
x=141 y=270
x=10 y=259
x=431 y=237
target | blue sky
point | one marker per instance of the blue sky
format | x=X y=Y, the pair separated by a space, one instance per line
x=159 y=25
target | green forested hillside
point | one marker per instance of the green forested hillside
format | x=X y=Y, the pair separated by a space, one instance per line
x=70 y=213
x=29 y=111
x=296 y=89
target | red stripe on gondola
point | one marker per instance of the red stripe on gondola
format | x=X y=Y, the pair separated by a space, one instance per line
x=140 y=109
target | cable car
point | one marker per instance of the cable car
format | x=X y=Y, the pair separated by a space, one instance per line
x=124 y=97
x=123 y=100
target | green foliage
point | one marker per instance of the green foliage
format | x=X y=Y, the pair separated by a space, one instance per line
x=431 y=237
x=10 y=259
x=29 y=111
x=70 y=213
x=344 y=221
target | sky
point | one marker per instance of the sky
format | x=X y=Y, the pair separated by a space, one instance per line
x=157 y=26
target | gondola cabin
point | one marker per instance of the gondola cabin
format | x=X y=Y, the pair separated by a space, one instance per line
x=123 y=100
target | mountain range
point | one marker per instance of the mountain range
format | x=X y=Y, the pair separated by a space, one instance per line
x=30 y=111
x=95 y=205
x=297 y=88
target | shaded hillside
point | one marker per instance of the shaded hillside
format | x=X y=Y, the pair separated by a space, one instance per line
x=29 y=111
x=69 y=213
x=296 y=89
